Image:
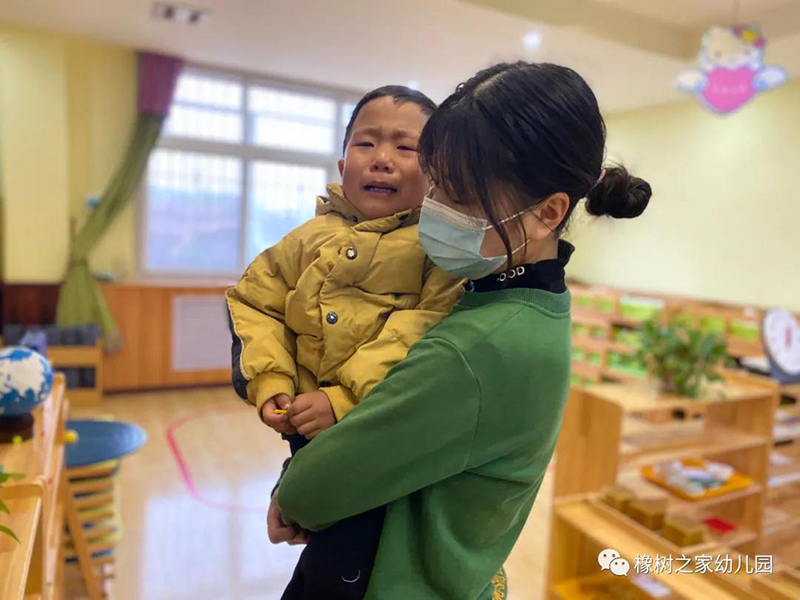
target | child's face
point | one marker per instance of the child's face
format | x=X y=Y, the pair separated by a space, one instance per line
x=380 y=170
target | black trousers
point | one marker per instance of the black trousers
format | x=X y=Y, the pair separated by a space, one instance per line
x=337 y=562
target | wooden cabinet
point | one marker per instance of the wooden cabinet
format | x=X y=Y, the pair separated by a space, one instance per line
x=144 y=314
x=606 y=438
x=34 y=568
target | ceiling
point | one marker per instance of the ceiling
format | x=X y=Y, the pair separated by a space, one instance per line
x=628 y=50
x=696 y=14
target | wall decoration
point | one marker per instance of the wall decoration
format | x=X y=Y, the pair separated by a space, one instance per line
x=731 y=70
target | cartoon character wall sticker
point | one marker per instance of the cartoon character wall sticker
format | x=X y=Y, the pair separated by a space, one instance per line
x=731 y=70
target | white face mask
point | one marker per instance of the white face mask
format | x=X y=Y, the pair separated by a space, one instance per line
x=453 y=240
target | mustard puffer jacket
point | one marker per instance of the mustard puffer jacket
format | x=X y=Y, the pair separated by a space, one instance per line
x=334 y=305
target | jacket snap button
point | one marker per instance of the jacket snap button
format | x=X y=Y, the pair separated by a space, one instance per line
x=332 y=318
x=351 y=253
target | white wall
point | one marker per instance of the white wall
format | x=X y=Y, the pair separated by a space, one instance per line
x=724 y=220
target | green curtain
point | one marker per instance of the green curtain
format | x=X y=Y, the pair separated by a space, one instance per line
x=80 y=298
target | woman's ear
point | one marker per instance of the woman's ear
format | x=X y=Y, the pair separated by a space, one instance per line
x=546 y=218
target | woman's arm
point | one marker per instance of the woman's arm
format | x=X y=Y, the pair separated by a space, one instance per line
x=414 y=429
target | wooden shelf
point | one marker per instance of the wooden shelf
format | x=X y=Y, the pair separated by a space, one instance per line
x=623 y=377
x=654 y=450
x=782 y=513
x=591 y=344
x=786 y=432
x=792 y=390
x=586 y=370
x=633 y=480
x=610 y=431
x=783 y=585
x=592 y=319
x=75 y=356
x=626 y=321
x=604 y=526
x=35 y=502
x=743 y=348
x=14 y=565
x=744 y=418
x=732 y=539
x=646 y=397
x=621 y=348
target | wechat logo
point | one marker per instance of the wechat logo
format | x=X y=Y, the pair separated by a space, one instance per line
x=610 y=560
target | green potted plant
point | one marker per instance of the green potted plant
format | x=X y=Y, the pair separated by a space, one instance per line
x=4 y=476
x=681 y=358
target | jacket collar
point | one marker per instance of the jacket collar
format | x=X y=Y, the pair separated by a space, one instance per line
x=336 y=202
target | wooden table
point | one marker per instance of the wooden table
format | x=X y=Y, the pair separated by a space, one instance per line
x=34 y=568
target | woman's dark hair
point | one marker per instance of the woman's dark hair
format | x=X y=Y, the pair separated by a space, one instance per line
x=529 y=130
x=400 y=94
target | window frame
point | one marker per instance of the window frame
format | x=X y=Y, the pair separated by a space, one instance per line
x=247 y=153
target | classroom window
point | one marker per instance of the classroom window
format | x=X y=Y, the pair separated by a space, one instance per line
x=279 y=199
x=239 y=165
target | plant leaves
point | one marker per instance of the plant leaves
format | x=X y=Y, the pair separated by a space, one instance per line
x=681 y=356
x=9 y=533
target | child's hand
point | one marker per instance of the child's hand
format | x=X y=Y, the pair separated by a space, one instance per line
x=312 y=414
x=279 y=423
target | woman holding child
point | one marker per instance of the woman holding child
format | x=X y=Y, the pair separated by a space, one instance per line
x=455 y=440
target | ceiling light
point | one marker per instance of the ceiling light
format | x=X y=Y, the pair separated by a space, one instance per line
x=532 y=40
x=179 y=13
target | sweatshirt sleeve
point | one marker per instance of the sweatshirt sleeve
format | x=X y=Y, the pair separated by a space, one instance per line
x=264 y=348
x=371 y=362
x=414 y=429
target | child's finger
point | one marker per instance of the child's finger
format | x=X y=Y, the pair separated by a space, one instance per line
x=298 y=407
x=282 y=401
x=309 y=430
x=270 y=417
x=314 y=433
x=301 y=418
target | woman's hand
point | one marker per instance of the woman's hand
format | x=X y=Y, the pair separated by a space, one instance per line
x=312 y=414
x=279 y=531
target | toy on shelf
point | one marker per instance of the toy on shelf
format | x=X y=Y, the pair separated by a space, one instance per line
x=26 y=379
x=694 y=479
x=683 y=530
x=76 y=351
x=618 y=497
x=650 y=512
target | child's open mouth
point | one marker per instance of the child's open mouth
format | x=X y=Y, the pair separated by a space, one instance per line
x=381 y=189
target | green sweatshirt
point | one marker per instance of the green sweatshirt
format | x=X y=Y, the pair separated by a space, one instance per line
x=456 y=441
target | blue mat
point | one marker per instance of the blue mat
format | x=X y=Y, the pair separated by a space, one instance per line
x=99 y=441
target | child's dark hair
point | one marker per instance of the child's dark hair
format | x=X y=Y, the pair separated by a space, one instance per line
x=528 y=130
x=400 y=94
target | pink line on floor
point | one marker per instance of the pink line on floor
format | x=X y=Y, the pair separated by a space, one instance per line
x=186 y=474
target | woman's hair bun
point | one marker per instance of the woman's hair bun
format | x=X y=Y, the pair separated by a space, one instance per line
x=619 y=195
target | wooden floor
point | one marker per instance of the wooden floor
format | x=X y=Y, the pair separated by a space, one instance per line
x=202 y=535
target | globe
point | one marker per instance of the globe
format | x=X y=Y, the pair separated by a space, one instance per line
x=26 y=379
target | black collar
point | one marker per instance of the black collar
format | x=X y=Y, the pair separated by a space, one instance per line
x=547 y=275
